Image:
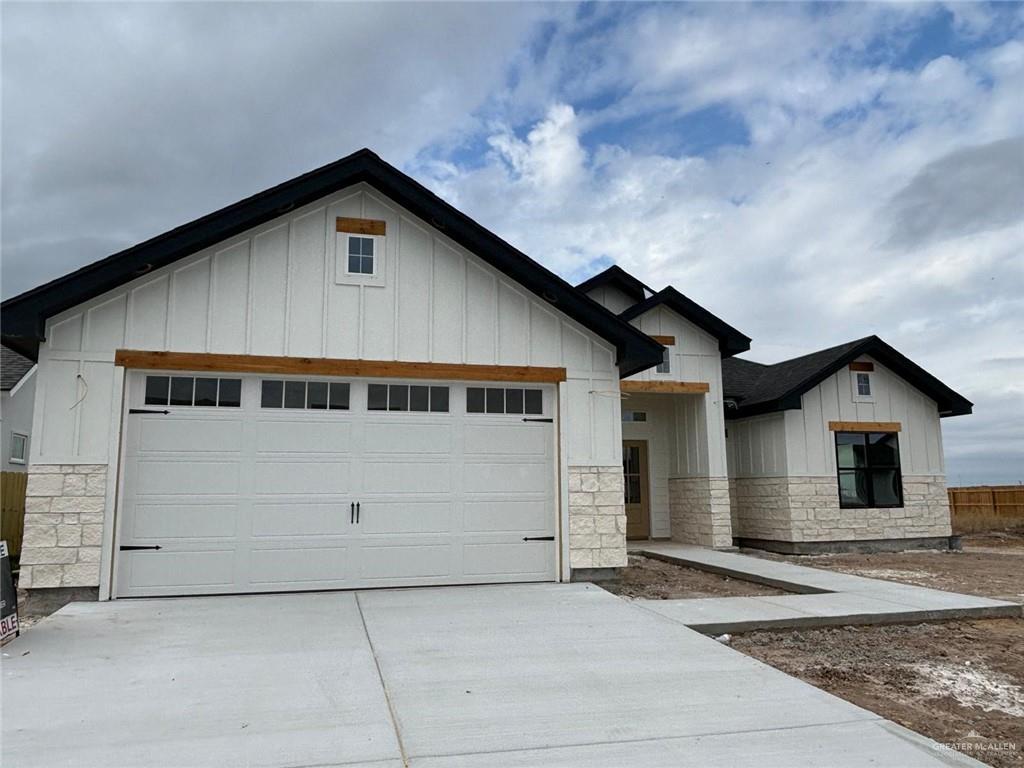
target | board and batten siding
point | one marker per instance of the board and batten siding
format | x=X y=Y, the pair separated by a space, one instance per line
x=810 y=445
x=757 y=446
x=695 y=357
x=274 y=291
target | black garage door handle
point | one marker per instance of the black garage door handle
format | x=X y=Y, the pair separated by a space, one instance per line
x=538 y=538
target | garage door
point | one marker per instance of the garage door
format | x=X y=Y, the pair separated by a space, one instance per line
x=263 y=484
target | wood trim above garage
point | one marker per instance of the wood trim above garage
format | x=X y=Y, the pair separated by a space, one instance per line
x=864 y=426
x=321 y=366
x=665 y=341
x=665 y=387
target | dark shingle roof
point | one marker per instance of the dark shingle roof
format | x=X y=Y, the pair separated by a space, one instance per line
x=759 y=388
x=12 y=368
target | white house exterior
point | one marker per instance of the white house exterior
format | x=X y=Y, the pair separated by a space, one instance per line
x=787 y=464
x=343 y=382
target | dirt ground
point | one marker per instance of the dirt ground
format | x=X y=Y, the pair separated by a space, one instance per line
x=956 y=682
x=990 y=565
x=657 y=580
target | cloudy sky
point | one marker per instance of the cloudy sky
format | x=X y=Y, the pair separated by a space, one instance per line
x=810 y=173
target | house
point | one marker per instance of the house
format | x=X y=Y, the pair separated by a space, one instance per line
x=344 y=382
x=17 y=395
x=837 y=450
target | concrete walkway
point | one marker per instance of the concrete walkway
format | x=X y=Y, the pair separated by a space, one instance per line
x=518 y=675
x=825 y=598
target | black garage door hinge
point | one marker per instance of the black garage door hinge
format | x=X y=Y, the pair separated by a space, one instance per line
x=143 y=410
x=549 y=421
x=538 y=538
x=133 y=547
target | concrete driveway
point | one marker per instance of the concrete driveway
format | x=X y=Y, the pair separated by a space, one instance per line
x=523 y=675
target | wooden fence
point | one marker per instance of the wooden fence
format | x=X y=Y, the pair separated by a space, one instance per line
x=12 y=509
x=986 y=507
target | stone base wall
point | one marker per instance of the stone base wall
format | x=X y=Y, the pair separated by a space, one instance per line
x=763 y=509
x=806 y=509
x=63 y=537
x=817 y=516
x=597 y=518
x=700 y=512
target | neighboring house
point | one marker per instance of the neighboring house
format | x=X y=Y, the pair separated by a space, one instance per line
x=344 y=382
x=17 y=396
x=838 y=449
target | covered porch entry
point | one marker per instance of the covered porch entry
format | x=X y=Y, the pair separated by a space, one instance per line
x=674 y=469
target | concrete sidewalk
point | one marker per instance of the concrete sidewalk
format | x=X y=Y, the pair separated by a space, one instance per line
x=517 y=675
x=825 y=598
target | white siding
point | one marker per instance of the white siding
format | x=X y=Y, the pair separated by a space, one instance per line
x=611 y=298
x=273 y=291
x=660 y=433
x=700 y=420
x=810 y=446
x=757 y=446
x=16 y=417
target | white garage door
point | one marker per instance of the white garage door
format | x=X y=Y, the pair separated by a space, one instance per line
x=262 y=484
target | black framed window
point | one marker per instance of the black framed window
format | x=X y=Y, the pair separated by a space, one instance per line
x=868 y=464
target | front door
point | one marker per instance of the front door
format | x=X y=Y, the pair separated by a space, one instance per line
x=637 y=489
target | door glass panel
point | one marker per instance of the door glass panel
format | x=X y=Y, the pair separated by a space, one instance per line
x=181 y=390
x=156 y=389
x=230 y=393
x=295 y=394
x=631 y=474
x=317 y=393
x=206 y=392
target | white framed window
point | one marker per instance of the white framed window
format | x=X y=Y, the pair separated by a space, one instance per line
x=511 y=400
x=19 y=448
x=665 y=366
x=361 y=255
x=419 y=398
x=863 y=389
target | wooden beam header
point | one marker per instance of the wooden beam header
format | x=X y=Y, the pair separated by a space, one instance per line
x=866 y=367
x=360 y=226
x=322 y=366
x=665 y=387
x=864 y=426
x=665 y=341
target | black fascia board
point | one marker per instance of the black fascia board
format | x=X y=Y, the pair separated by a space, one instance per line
x=949 y=402
x=617 y=276
x=730 y=341
x=24 y=316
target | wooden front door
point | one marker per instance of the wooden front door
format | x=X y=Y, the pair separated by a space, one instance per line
x=637 y=489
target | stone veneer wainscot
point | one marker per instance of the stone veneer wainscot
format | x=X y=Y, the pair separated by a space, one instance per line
x=597 y=518
x=62 y=543
x=699 y=510
x=806 y=509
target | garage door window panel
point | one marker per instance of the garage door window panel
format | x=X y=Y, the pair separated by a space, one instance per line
x=417 y=398
x=203 y=392
x=310 y=395
x=504 y=400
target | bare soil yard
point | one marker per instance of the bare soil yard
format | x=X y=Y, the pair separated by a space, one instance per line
x=654 y=579
x=990 y=565
x=946 y=681
x=956 y=682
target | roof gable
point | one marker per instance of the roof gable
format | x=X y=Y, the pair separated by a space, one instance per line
x=24 y=316
x=730 y=340
x=619 y=278
x=766 y=388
